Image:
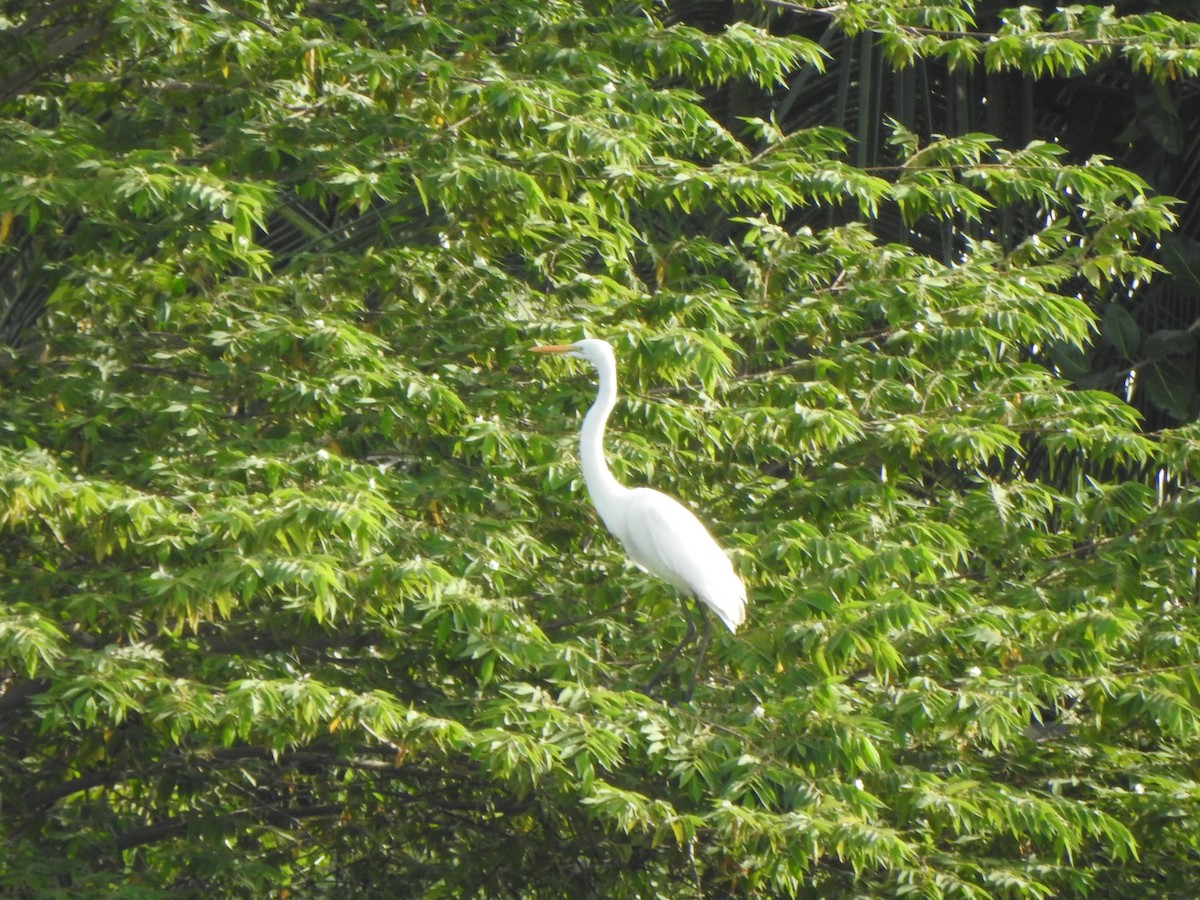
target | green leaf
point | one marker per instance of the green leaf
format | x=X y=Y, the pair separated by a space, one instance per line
x=1121 y=330
x=1170 y=384
x=1181 y=256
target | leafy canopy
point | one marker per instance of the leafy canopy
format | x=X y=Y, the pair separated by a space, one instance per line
x=301 y=590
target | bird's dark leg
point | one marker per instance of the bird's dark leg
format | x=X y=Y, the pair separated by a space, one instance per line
x=704 y=639
x=674 y=654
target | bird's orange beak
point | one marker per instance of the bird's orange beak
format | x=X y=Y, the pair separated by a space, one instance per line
x=550 y=348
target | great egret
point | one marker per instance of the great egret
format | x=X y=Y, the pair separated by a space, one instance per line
x=658 y=533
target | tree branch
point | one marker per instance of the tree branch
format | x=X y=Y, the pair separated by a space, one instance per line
x=177 y=826
x=16 y=697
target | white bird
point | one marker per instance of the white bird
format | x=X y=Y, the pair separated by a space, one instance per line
x=657 y=531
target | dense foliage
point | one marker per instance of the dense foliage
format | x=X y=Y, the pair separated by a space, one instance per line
x=301 y=591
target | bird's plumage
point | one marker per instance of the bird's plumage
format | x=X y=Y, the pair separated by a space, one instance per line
x=657 y=532
x=666 y=540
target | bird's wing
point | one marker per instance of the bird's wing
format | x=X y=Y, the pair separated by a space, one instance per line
x=665 y=539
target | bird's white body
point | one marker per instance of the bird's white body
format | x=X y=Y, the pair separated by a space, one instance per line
x=657 y=532
x=666 y=540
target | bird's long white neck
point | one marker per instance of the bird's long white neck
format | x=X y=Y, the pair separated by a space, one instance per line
x=603 y=488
